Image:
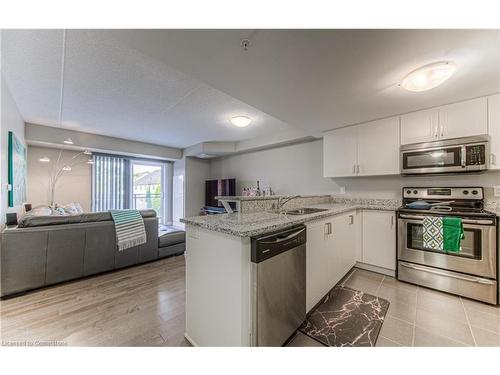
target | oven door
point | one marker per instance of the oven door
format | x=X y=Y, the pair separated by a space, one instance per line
x=477 y=257
x=443 y=159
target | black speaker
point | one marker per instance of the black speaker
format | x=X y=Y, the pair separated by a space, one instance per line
x=11 y=219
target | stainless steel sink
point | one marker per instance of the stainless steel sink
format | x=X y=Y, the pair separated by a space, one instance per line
x=305 y=211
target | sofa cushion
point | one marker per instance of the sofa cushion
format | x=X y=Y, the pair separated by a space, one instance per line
x=28 y=221
x=168 y=236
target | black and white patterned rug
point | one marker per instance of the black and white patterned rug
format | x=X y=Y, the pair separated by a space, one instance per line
x=346 y=317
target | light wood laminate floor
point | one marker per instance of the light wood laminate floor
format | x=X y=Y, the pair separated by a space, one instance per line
x=137 y=306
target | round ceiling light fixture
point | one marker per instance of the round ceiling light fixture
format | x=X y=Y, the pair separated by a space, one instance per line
x=428 y=76
x=241 y=121
x=68 y=141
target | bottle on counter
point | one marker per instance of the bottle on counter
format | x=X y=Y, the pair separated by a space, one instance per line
x=257 y=191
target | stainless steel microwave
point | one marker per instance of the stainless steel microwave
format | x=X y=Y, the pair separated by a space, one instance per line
x=459 y=155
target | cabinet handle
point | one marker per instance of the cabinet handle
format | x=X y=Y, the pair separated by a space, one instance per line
x=328 y=228
x=354 y=168
x=392 y=220
x=352 y=219
x=357 y=168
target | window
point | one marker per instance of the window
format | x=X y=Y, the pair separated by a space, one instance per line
x=122 y=182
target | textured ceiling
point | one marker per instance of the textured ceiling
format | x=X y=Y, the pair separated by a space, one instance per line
x=112 y=89
x=181 y=87
x=322 y=79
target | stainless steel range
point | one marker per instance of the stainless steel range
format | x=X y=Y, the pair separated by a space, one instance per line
x=470 y=273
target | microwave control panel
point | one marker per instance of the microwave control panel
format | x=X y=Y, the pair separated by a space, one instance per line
x=475 y=154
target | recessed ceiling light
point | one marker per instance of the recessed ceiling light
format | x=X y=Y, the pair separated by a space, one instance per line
x=44 y=159
x=241 y=121
x=66 y=168
x=68 y=141
x=428 y=76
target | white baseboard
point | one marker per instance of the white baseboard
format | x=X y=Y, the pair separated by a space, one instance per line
x=369 y=267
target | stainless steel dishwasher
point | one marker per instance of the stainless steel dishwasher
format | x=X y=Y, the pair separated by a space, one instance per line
x=279 y=295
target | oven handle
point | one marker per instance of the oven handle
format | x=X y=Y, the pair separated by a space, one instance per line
x=465 y=221
x=442 y=273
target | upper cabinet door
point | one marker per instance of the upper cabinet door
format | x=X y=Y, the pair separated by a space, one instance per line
x=421 y=126
x=339 y=152
x=464 y=119
x=378 y=147
x=494 y=130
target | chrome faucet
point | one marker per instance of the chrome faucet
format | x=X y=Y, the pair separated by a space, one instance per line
x=283 y=200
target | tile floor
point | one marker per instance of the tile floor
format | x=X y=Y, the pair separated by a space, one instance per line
x=419 y=316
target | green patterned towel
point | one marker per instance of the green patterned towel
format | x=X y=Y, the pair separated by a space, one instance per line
x=443 y=233
x=129 y=227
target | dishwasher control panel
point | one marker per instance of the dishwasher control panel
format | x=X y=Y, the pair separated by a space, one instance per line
x=269 y=245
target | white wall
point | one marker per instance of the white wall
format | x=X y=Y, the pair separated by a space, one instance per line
x=178 y=191
x=11 y=120
x=51 y=137
x=73 y=186
x=197 y=171
x=298 y=169
x=295 y=169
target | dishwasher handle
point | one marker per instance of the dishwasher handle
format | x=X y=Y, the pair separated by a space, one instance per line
x=279 y=239
x=270 y=245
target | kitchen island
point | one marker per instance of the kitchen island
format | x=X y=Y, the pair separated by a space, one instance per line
x=220 y=277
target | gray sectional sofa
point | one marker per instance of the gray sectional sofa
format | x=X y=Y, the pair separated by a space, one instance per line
x=46 y=250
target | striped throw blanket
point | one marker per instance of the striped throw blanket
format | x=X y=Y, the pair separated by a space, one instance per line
x=129 y=227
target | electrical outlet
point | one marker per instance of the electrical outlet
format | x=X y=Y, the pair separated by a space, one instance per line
x=342 y=190
x=496 y=191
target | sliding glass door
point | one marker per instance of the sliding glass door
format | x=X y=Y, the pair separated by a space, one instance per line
x=120 y=182
x=148 y=187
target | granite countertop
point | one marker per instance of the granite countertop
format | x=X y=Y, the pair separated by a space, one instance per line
x=254 y=224
x=264 y=197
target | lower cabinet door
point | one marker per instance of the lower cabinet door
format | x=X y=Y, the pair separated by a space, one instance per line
x=346 y=234
x=379 y=238
x=317 y=263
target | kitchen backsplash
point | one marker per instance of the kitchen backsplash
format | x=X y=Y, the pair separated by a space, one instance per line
x=249 y=205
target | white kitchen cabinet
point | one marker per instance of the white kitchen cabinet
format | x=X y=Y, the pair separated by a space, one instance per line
x=345 y=241
x=463 y=119
x=494 y=130
x=340 y=152
x=317 y=261
x=331 y=253
x=456 y=120
x=378 y=147
x=379 y=238
x=368 y=149
x=421 y=126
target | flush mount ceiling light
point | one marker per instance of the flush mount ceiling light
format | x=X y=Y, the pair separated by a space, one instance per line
x=44 y=159
x=428 y=76
x=68 y=141
x=241 y=121
x=66 y=168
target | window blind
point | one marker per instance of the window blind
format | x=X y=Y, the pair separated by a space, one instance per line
x=110 y=183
